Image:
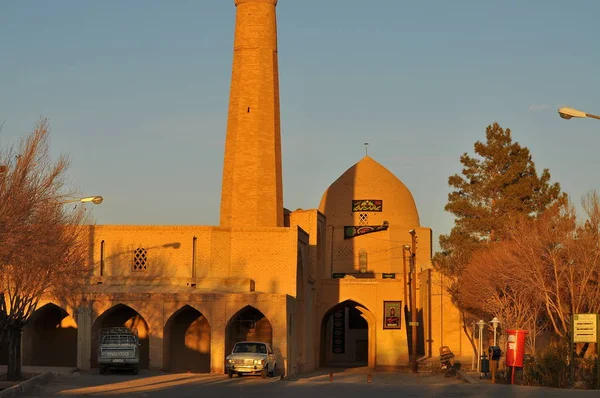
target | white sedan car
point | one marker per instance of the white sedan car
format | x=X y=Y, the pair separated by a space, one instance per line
x=251 y=357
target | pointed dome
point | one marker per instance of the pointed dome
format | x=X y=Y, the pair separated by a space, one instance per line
x=369 y=180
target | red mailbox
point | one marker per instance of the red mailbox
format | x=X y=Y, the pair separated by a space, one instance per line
x=515 y=347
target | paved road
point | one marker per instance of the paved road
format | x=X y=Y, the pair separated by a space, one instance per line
x=347 y=384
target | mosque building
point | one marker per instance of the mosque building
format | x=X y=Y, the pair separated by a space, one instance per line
x=326 y=286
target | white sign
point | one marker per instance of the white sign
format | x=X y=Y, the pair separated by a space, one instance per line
x=584 y=328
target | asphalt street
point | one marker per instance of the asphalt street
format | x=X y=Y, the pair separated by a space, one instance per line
x=346 y=383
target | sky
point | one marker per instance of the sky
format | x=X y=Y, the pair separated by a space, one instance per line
x=136 y=93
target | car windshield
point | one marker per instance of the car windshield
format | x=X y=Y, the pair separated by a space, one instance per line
x=256 y=348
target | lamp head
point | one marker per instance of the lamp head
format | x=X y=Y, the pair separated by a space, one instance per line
x=568 y=113
x=565 y=116
x=94 y=199
x=407 y=247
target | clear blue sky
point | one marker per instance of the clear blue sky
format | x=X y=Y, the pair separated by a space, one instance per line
x=136 y=93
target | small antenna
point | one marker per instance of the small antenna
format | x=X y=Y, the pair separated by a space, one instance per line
x=366 y=144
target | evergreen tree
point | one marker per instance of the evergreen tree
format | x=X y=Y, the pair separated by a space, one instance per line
x=497 y=184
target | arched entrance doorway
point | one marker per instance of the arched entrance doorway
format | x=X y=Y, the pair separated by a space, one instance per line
x=122 y=315
x=347 y=336
x=186 y=345
x=248 y=324
x=50 y=338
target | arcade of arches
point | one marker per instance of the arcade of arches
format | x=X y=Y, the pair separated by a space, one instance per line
x=50 y=337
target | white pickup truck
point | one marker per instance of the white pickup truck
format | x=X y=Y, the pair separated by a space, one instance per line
x=118 y=348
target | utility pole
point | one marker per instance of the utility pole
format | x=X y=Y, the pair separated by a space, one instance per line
x=413 y=299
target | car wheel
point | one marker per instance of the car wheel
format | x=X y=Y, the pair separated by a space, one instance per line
x=230 y=373
x=272 y=372
x=136 y=369
x=102 y=370
x=239 y=374
x=264 y=372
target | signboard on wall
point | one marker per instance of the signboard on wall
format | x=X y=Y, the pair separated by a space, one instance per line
x=364 y=205
x=391 y=314
x=585 y=328
x=338 y=345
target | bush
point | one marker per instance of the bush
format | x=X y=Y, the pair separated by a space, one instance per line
x=587 y=372
x=550 y=369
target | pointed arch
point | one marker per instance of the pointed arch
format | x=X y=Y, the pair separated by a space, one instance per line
x=186 y=341
x=50 y=338
x=348 y=335
x=247 y=324
x=122 y=315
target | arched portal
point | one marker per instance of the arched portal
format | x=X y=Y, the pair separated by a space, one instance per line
x=347 y=336
x=122 y=315
x=50 y=338
x=186 y=345
x=248 y=324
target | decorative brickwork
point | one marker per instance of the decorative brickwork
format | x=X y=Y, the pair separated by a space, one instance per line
x=140 y=258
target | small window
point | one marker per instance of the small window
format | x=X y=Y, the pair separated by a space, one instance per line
x=140 y=259
x=363 y=219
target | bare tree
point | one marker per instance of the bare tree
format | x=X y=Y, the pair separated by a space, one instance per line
x=41 y=245
x=491 y=285
x=560 y=260
x=546 y=270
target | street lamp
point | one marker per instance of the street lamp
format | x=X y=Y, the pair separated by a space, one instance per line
x=568 y=113
x=481 y=324
x=495 y=322
x=93 y=199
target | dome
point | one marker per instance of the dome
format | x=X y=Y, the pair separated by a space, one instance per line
x=369 y=180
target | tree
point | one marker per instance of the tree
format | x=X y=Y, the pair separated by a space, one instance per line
x=497 y=185
x=491 y=284
x=560 y=258
x=41 y=245
x=546 y=270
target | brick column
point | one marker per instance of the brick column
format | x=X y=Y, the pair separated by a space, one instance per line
x=84 y=337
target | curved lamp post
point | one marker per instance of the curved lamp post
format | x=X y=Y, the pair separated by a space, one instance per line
x=568 y=113
x=93 y=199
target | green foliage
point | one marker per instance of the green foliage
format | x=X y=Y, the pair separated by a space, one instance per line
x=587 y=369
x=495 y=185
x=550 y=369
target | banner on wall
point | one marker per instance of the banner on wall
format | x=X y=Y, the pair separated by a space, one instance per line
x=338 y=345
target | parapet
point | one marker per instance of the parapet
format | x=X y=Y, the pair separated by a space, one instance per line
x=238 y=2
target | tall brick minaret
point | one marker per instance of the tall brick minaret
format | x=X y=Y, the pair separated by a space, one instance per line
x=252 y=191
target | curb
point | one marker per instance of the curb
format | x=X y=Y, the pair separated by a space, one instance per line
x=27 y=385
x=466 y=377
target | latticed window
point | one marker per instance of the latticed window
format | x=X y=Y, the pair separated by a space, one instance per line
x=363 y=219
x=140 y=259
